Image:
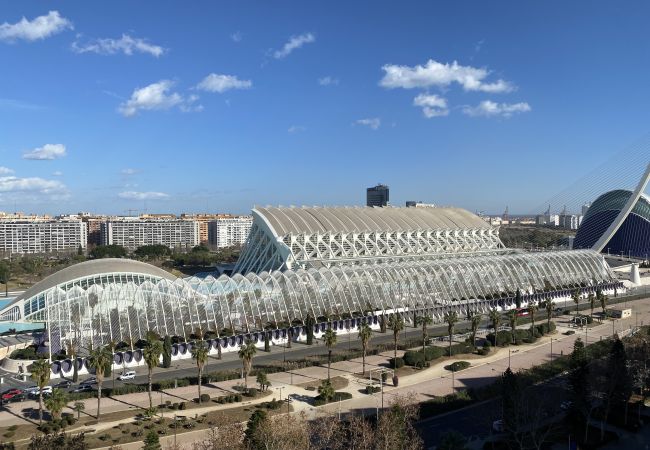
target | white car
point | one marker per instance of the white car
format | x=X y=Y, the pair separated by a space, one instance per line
x=129 y=375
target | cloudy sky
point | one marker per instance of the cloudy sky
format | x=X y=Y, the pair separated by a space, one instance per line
x=219 y=106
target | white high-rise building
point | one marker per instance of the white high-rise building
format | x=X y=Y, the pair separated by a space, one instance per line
x=42 y=236
x=229 y=231
x=132 y=233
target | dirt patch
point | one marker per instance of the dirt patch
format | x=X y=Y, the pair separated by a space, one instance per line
x=338 y=383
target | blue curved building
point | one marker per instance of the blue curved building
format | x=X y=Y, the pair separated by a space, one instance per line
x=633 y=237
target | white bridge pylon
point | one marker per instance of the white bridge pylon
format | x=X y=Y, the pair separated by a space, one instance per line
x=622 y=215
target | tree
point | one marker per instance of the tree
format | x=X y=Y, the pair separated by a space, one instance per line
x=576 y=298
x=326 y=390
x=602 y=299
x=5 y=274
x=200 y=354
x=263 y=380
x=395 y=428
x=329 y=337
x=396 y=323
x=111 y=346
x=108 y=251
x=495 y=318
x=55 y=402
x=155 y=251
x=619 y=379
x=254 y=422
x=512 y=318
x=578 y=414
x=424 y=320
x=518 y=298
x=451 y=318
x=475 y=322
x=151 y=441
x=365 y=333
x=592 y=302
x=246 y=353
x=532 y=309
x=549 y=313
x=40 y=373
x=99 y=358
x=510 y=391
x=78 y=407
x=309 y=325
x=152 y=350
x=167 y=352
x=452 y=440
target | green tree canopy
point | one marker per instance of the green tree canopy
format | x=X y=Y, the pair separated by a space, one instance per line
x=108 y=251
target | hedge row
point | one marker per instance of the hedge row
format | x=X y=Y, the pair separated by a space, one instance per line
x=339 y=395
x=504 y=338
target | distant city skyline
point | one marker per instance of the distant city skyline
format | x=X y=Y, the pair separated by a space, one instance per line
x=217 y=108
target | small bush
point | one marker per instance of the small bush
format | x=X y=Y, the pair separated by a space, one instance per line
x=205 y=398
x=459 y=349
x=237 y=398
x=431 y=353
x=251 y=392
x=13 y=428
x=9 y=434
x=175 y=406
x=458 y=365
x=504 y=338
x=182 y=406
x=484 y=351
x=396 y=363
x=415 y=359
x=372 y=389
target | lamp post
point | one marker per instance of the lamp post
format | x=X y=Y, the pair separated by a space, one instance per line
x=280 y=389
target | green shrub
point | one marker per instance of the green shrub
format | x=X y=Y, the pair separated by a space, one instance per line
x=412 y=358
x=205 y=398
x=13 y=428
x=237 y=398
x=182 y=406
x=433 y=352
x=372 y=389
x=504 y=338
x=484 y=351
x=459 y=349
x=458 y=365
x=251 y=392
x=396 y=363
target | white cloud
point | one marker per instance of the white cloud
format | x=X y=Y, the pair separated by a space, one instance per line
x=328 y=81
x=432 y=105
x=129 y=171
x=31 y=30
x=46 y=152
x=489 y=108
x=156 y=96
x=441 y=75
x=296 y=129
x=374 y=122
x=133 y=195
x=5 y=170
x=222 y=83
x=237 y=36
x=57 y=173
x=294 y=43
x=126 y=44
x=34 y=184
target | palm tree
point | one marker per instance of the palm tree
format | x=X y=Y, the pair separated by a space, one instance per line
x=592 y=302
x=396 y=323
x=246 y=353
x=329 y=337
x=151 y=353
x=99 y=359
x=424 y=321
x=532 y=309
x=111 y=346
x=512 y=318
x=549 y=313
x=365 y=333
x=78 y=407
x=495 y=318
x=451 y=318
x=56 y=402
x=576 y=298
x=603 y=303
x=200 y=354
x=40 y=373
x=475 y=321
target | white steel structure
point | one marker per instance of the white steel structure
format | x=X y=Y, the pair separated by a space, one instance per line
x=132 y=233
x=48 y=236
x=291 y=238
x=229 y=231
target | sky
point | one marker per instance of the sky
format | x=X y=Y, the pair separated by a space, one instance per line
x=203 y=106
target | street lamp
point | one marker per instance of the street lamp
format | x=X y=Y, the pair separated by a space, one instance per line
x=280 y=389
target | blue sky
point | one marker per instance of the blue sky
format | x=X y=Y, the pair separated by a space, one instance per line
x=219 y=106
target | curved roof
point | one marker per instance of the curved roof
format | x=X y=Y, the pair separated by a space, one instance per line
x=92 y=268
x=365 y=219
x=615 y=201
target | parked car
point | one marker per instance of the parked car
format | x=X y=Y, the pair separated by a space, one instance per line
x=499 y=426
x=83 y=388
x=31 y=390
x=47 y=390
x=128 y=375
x=65 y=384
x=10 y=394
x=91 y=380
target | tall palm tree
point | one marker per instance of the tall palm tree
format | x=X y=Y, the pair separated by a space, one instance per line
x=424 y=320
x=532 y=309
x=151 y=353
x=603 y=303
x=549 y=313
x=200 y=354
x=329 y=337
x=246 y=352
x=111 y=346
x=592 y=302
x=512 y=318
x=495 y=318
x=475 y=321
x=40 y=373
x=365 y=333
x=99 y=359
x=576 y=298
x=396 y=323
x=56 y=402
x=451 y=318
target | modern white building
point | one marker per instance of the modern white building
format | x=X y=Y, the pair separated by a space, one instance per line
x=41 y=236
x=132 y=233
x=229 y=231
